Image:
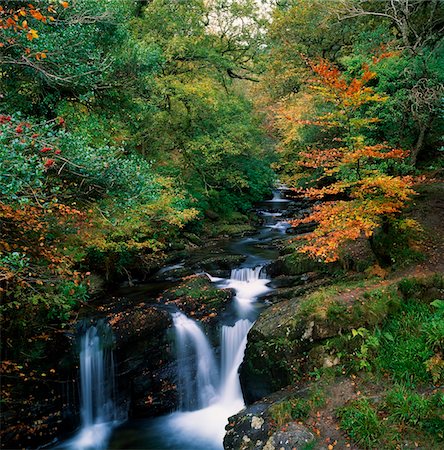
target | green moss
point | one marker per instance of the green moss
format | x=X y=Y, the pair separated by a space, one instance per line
x=273 y=362
x=198 y=291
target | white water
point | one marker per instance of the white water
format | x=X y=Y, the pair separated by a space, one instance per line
x=277 y=197
x=197 y=370
x=97 y=408
x=234 y=341
x=249 y=284
x=281 y=226
x=213 y=390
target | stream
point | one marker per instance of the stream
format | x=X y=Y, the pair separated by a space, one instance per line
x=207 y=377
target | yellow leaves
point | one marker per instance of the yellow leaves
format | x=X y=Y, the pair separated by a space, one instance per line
x=32 y=34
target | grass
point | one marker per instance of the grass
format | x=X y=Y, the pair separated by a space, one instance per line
x=361 y=422
x=297 y=408
x=289 y=410
x=404 y=357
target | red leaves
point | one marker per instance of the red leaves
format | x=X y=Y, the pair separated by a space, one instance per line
x=46 y=149
x=49 y=163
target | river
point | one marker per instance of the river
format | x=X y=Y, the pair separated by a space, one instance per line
x=207 y=376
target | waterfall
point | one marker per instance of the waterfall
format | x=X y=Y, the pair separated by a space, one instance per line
x=97 y=389
x=210 y=393
x=234 y=341
x=197 y=371
x=277 y=196
x=97 y=376
x=247 y=274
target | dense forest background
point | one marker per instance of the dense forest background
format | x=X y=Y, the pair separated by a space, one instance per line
x=128 y=127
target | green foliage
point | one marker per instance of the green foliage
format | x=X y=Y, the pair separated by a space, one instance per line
x=120 y=125
x=393 y=243
x=419 y=416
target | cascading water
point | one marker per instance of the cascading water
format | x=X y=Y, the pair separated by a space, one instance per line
x=197 y=370
x=97 y=407
x=208 y=397
x=209 y=391
x=234 y=341
x=249 y=283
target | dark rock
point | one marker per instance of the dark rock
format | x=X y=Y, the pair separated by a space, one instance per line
x=302 y=228
x=293 y=264
x=219 y=262
x=143 y=350
x=194 y=239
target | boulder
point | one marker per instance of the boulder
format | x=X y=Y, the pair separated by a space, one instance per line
x=256 y=428
x=197 y=297
x=281 y=339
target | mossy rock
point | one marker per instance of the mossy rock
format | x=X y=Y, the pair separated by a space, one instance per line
x=219 y=262
x=282 y=337
x=196 y=296
x=294 y=264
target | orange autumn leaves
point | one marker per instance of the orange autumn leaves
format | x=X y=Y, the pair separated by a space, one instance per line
x=348 y=171
x=19 y=22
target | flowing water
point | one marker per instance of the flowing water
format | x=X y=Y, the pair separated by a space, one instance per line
x=207 y=376
x=97 y=390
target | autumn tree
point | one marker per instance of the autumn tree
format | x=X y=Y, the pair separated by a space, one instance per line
x=349 y=172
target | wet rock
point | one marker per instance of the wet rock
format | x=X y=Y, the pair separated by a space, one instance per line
x=219 y=262
x=143 y=351
x=294 y=264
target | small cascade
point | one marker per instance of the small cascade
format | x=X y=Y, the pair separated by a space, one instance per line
x=247 y=274
x=97 y=376
x=277 y=196
x=97 y=389
x=197 y=370
x=249 y=283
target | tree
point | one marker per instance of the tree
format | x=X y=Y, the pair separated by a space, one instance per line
x=350 y=169
x=419 y=29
